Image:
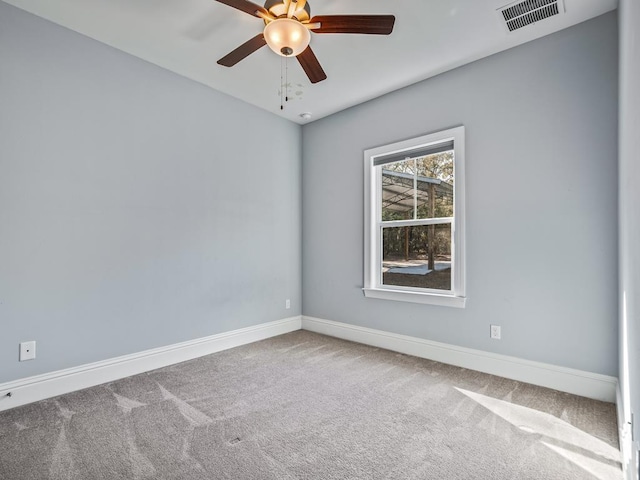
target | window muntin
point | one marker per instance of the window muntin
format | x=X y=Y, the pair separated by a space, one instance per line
x=414 y=219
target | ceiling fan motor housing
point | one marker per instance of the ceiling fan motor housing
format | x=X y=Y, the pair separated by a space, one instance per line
x=277 y=8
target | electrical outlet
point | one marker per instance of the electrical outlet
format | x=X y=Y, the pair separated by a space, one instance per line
x=287 y=303
x=495 y=332
x=27 y=350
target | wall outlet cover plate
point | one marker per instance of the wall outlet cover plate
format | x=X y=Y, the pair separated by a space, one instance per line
x=27 y=350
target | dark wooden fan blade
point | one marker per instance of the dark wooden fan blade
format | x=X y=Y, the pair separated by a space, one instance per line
x=367 y=24
x=311 y=66
x=243 y=51
x=245 y=6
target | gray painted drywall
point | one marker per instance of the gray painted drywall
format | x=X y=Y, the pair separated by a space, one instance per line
x=541 y=166
x=629 y=17
x=137 y=208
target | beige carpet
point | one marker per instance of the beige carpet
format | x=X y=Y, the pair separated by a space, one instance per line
x=306 y=406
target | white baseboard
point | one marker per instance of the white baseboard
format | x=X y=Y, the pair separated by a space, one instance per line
x=52 y=384
x=32 y=389
x=578 y=382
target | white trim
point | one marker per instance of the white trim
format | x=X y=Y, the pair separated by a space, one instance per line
x=419 y=222
x=624 y=436
x=32 y=389
x=52 y=384
x=578 y=382
x=415 y=297
x=372 y=224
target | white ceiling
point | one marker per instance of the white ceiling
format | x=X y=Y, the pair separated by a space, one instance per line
x=189 y=36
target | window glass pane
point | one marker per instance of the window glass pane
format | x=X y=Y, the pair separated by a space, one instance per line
x=418 y=188
x=418 y=256
x=397 y=191
x=435 y=185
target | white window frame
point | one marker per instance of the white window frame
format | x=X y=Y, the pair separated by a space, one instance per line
x=373 y=286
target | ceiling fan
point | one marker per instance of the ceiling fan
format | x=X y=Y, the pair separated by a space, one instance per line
x=287 y=27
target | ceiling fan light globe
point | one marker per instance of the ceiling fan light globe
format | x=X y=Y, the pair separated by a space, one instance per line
x=284 y=35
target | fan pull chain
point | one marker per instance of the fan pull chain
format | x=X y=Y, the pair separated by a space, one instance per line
x=284 y=83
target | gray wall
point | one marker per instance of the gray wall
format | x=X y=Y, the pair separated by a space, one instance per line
x=541 y=142
x=134 y=212
x=629 y=12
x=137 y=208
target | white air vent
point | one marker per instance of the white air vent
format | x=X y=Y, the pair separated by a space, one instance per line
x=525 y=13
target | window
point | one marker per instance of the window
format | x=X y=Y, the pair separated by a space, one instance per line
x=414 y=220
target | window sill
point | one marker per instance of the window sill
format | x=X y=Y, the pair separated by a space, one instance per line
x=416 y=297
